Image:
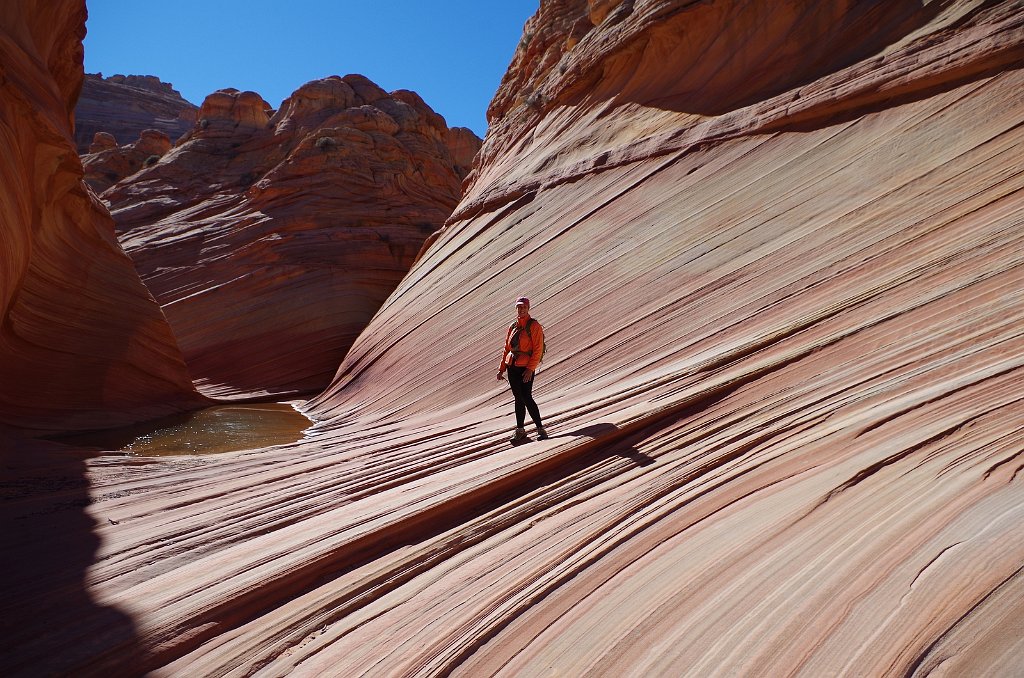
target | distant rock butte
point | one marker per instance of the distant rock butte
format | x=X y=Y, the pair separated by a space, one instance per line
x=778 y=248
x=126 y=105
x=82 y=343
x=106 y=163
x=271 y=238
x=464 y=146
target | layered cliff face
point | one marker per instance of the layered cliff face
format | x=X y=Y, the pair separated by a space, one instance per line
x=777 y=249
x=82 y=343
x=783 y=298
x=270 y=238
x=124 y=106
x=106 y=163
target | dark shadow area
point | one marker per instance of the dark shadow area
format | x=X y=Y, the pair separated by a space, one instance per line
x=743 y=56
x=698 y=58
x=49 y=623
x=117 y=438
x=607 y=430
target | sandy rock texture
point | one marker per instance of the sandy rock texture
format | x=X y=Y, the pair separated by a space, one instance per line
x=124 y=106
x=270 y=238
x=106 y=163
x=781 y=278
x=82 y=342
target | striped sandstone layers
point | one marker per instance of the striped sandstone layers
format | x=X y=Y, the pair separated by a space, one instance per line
x=270 y=238
x=124 y=106
x=82 y=343
x=777 y=250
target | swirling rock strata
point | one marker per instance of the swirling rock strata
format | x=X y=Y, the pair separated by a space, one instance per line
x=270 y=238
x=783 y=387
x=777 y=248
x=82 y=343
x=124 y=106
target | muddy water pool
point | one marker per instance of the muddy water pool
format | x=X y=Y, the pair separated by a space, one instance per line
x=224 y=428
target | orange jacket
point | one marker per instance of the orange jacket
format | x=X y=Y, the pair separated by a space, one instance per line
x=531 y=344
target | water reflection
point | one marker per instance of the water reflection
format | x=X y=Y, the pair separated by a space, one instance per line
x=224 y=428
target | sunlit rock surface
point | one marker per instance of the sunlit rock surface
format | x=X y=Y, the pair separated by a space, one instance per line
x=82 y=343
x=782 y=289
x=271 y=238
x=126 y=105
x=106 y=163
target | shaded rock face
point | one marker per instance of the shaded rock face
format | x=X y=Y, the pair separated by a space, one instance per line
x=127 y=105
x=271 y=238
x=82 y=342
x=464 y=146
x=783 y=388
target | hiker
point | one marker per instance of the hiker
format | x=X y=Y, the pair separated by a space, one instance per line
x=524 y=347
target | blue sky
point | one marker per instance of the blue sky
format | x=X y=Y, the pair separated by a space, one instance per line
x=453 y=53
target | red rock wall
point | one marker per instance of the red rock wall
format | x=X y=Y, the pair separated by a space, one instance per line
x=783 y=389
x=127 y=105
x=271 y=238
x=82 y=343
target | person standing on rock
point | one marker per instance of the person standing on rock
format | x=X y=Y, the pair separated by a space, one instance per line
x=524 y=348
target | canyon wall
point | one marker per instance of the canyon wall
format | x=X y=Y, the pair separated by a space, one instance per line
x=777 y=250
x=82 y=342
x=270 y=238
x=126 y=105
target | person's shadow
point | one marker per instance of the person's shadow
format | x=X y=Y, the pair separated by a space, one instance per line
x=617 y=444
x=614 y=442
x=49 y=622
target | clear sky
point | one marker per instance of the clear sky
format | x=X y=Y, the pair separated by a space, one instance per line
x=453 y=53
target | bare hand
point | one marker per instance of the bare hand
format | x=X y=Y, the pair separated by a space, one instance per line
x=527 y=376
x=501 y=375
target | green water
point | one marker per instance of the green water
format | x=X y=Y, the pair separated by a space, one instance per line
x=224 y=428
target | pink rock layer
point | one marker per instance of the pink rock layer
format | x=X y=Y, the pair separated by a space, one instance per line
x=271 y=238
x=783 y=386
x=124 y=106
x=82 y=342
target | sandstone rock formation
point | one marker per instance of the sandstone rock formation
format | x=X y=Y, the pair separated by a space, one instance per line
x=464 y=145
x=271 y=238
x=106 y=163
x=784 y=391
x=126 y=105
x=82 y=343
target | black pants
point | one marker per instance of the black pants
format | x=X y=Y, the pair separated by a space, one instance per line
x=524 y=396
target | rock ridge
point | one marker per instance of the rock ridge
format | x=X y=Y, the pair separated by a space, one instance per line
x=124 y=106
x=271 y=237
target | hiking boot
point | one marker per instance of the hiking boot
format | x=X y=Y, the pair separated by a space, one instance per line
x=541 y=433
x=519 y=436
